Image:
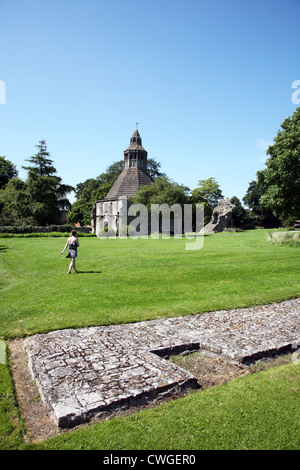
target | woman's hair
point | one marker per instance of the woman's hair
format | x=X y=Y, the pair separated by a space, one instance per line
x=74 y=233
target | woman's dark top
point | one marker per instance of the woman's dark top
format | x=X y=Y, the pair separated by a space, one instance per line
x=73 y=250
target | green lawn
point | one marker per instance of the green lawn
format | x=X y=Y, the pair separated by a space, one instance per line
x=132 y=280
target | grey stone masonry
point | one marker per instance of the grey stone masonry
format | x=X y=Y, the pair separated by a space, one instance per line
x=99 y=370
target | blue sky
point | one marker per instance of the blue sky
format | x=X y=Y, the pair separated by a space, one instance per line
x=210 y=82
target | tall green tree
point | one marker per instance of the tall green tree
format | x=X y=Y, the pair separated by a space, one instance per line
x=208 y=192
x=262 y=214
x=282 y=174
x=153 y=169
x=14 y=203
x=47 y=194
x=7 y=171
x=162 y=191
x=242 y=218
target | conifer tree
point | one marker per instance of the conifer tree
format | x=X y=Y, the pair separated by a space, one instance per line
x=47 y=194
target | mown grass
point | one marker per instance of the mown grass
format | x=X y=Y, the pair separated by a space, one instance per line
x=256 y=412
x=132 y=280
x=11 y=426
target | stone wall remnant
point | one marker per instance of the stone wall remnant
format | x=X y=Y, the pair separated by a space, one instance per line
x=221 y=218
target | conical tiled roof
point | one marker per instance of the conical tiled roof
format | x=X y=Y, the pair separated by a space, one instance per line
x=128 y=183
x=134 y=175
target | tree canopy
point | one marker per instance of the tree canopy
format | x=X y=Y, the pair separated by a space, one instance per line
x=262 y=214
x=162 y=191
x=47 y=194
x=7 y=171
x=208 y=192
x=282 y=174
x=38 y=200
x=14 y=203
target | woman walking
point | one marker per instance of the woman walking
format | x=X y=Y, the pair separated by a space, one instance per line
x=73 y=244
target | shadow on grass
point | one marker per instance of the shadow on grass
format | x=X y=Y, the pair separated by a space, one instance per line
x=89 y=272
x=3 y=248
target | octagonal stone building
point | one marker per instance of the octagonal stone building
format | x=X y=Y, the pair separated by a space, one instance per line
x=107 y=211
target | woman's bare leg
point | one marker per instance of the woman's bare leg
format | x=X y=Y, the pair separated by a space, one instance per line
x=74 y=265
x=70 y=266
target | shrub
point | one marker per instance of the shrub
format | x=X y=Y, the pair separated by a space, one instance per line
x=59 y=230
x=35 y=229
x=44 y=234
x=284 y=238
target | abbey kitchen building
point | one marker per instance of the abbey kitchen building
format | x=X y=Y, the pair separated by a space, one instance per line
x=108 y=211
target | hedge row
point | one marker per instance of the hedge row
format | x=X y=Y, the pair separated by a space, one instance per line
x=36 y=229
x=44 y=235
